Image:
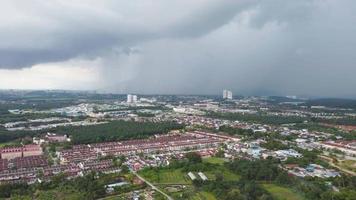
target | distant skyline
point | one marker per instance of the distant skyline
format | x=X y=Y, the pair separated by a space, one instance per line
x=251 y=47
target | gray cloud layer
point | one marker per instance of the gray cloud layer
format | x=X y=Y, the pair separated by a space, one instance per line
x=304 y=47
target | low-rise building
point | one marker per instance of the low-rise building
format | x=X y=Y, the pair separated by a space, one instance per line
x=202 y=176
x=192 y=176
x=22 y=151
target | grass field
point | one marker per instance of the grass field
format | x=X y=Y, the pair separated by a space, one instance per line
x=228 y=175
x=166 y=176
x=214 y=160
x=163 y=177
x=282 y=193
x=203 y=196
x=348 y=164
x=176 y=176
x=114 y=198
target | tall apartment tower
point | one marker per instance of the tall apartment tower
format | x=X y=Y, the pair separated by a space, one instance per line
x=227 y=94
x=131 y=98
x=134 y=98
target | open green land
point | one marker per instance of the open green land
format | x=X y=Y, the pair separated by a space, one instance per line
x=203 y=196
x=177 y=176
x=348 y=164
x=282 y=193
x=165 y=176
x=227 y=174
x=214 y=160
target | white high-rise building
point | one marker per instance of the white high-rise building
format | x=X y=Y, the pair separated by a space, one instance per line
x=227 y=94
x=131 y=98
x=134 y=98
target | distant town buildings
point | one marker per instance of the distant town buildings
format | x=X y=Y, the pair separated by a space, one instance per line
x=131 y=98
x=187 y=111
x=347 y=147
x=165 y=143
x=312 y=170
x=28 y=163
x=19 y=152
x=51 y=138
x=227 y=94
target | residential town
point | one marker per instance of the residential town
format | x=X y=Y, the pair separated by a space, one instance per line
x=250 y=129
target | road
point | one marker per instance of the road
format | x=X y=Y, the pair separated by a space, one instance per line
x=330 y=161
x=151 y=185
x=343 y=157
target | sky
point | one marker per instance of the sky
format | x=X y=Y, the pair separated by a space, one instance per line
x=252 y=47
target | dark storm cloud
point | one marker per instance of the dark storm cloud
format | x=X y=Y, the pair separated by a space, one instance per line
x=61 y=30
x=304 y=47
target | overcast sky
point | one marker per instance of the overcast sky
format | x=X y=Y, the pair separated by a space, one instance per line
x=253 y=47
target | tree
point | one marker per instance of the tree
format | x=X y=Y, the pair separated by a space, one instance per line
x=219 y=177
x=283 y=178
x=220 y=153
x=234 y=194
x=193 y=157
x=124 y=169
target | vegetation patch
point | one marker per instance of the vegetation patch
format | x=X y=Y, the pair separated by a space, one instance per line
x=203 y=196
x=214 y=160
x=282 y=193
x=348 y=164
x=116 y=130
x=165 y=176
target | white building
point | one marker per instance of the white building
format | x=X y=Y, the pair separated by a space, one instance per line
x=202 y=176
x=227 y=94
x=192 y=176
x=134 y=98
x=131 y=98
x=288 y=153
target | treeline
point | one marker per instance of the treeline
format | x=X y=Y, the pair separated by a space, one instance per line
x=8 y=117
x=278 y=120
x=7 y=136
x=236 y=131
x=257 y=118
x=143 y=114
x=342 y=121
x=245 y=133
x=133 y=108
x=38 y=104
x=332 y=103
x=86 y=187
x=116 y=130
x=112 y=131
x=312 y=188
